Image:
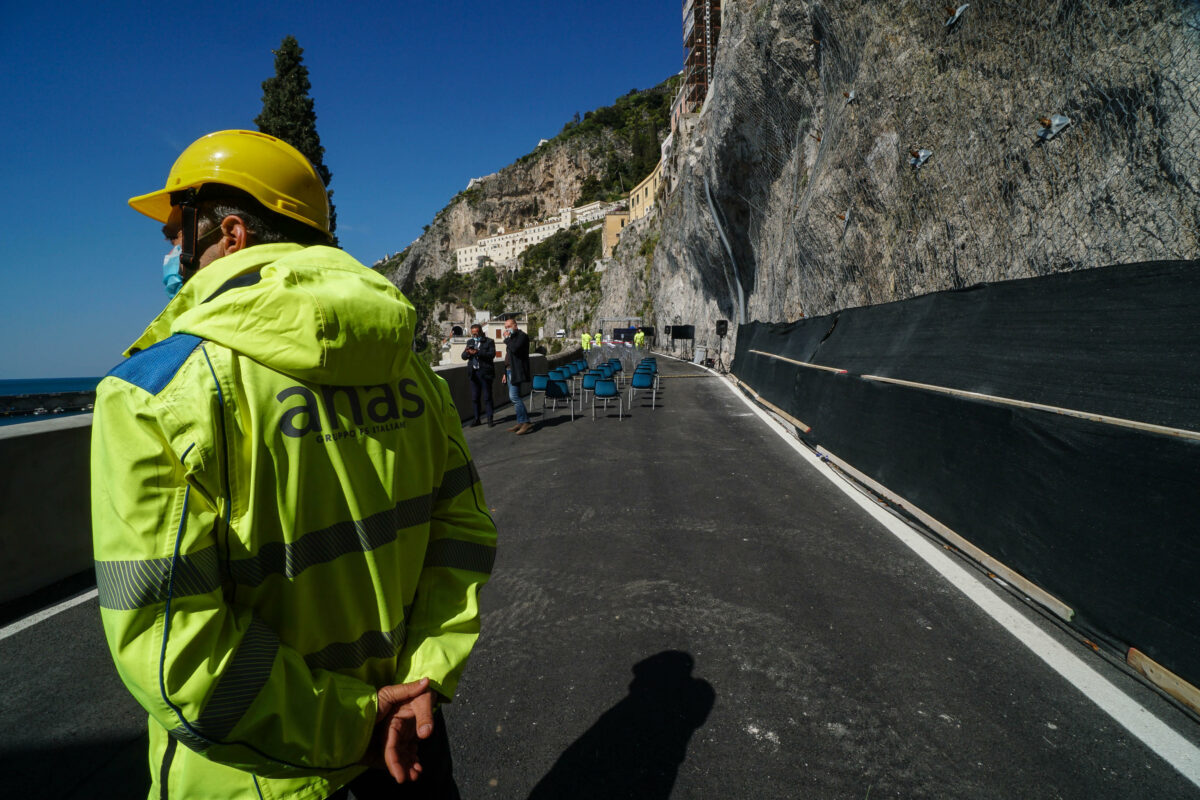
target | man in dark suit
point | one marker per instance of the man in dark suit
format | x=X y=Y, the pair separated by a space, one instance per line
x=516 y=372
x=479 y=355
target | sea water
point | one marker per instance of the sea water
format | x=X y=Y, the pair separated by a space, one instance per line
x=21 y=386
x=46 y=385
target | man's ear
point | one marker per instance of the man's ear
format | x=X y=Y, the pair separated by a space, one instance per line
x=235 y=235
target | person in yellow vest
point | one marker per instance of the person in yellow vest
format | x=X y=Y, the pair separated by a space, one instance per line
x=290 y=535
x=639 y=338
x=586 y=341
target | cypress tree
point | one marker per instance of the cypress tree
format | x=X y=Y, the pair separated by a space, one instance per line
x=288 y=114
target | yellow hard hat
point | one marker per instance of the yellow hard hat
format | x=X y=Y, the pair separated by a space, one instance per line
x=272 y=171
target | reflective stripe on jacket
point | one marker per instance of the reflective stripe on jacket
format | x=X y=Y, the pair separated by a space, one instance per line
x=285 y=518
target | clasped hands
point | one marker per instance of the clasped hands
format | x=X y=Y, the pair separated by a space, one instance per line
x=405 y=716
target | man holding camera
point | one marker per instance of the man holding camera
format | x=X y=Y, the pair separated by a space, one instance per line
x=479 y=355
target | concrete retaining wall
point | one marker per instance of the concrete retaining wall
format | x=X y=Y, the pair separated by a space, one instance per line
x=45 y=516
x=457 y=376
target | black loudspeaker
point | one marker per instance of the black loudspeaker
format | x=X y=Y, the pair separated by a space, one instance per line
x=683 y=331
x=722 y=327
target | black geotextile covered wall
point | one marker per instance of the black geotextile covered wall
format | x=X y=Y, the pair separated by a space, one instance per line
x=1105 y=517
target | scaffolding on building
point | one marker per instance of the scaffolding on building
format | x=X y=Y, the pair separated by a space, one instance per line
x=701 y=29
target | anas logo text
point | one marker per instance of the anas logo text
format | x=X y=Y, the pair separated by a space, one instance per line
x=381 y=406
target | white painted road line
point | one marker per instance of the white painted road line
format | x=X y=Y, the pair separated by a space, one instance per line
x=45 y=614
x=1131 y=715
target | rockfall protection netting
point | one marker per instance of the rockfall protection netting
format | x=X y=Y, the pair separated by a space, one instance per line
x=1103 y=514
x=856 y=153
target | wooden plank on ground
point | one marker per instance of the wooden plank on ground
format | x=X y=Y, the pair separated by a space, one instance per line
x=768 y=404
x=1164 y=679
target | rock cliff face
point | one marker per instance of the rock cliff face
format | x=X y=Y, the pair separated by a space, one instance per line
x=796 y=194
x=803 y=154
x=518 y=196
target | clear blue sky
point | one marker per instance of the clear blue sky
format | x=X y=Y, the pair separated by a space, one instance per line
x=412 y=99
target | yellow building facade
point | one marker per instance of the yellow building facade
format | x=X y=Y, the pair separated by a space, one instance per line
x=642 y=198
x=614 y=223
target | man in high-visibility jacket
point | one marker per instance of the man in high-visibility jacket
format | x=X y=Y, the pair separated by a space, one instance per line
x=639 y=339
x=290 y=535
x=586 y=341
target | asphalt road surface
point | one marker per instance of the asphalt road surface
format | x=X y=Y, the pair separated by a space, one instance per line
x=681 y=607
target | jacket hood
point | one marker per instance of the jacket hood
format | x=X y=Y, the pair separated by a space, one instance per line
x=310 y=312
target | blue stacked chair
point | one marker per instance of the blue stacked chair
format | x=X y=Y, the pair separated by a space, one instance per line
x=559 y=389
x=643 y=378
x=568 y=372
x=606 y=389
x=551 y=376
x=588 y=385
x=652 y=366
x=617 y=368
x=539 y=386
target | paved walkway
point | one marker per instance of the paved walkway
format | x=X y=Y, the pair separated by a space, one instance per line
x=681 y=607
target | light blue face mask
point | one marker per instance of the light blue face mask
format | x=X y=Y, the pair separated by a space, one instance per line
x=172 y=280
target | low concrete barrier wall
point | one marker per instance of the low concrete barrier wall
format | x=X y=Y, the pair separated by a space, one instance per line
x=45 y=516
x=458 y=378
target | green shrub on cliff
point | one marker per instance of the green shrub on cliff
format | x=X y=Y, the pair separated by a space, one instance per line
x=628 y=114
x=641 y=120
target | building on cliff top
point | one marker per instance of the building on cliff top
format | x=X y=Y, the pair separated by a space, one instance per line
x=505 y=247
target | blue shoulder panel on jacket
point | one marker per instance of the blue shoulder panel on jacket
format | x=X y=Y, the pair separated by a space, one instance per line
x=152 y=369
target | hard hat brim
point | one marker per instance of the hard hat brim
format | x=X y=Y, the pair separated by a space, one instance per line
x=155 y=205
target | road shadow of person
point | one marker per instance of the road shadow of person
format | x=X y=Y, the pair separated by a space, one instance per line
x=634 y=750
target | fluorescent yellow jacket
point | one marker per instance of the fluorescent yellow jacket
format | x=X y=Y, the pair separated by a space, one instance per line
x=639 y=339
x=285 y=517
x=586 y=342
